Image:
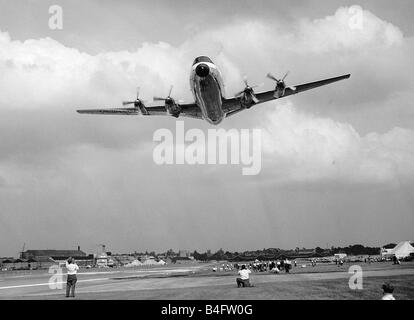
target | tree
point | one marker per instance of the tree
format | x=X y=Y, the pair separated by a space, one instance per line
x=200 y=257
x=319 y=250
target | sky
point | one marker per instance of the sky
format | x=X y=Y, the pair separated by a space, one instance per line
x=337 y=162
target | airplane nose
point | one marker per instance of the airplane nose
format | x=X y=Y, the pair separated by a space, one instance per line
x=202 y=70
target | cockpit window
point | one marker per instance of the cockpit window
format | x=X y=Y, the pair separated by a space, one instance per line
x=202 y=59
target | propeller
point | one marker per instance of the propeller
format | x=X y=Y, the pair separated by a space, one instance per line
x=270 y=76
x=167 y=99
x=248 y=90
x=137 y=102
x=280 y=81
x=170 y=106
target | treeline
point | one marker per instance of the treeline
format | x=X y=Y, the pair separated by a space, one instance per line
x=352 y=250
x=357 y=250
x=273 y=253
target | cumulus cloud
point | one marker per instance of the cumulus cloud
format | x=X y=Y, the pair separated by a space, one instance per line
x=35 y=72
x=303 y=147
x=51 y=80
x=350 y=28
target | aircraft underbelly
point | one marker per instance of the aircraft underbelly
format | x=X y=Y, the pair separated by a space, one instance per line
x=208 y=95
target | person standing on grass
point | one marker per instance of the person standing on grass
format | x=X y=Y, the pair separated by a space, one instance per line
x=72 y=268
x=287 y=265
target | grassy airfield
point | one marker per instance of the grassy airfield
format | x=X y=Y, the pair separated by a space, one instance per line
x=198 y=281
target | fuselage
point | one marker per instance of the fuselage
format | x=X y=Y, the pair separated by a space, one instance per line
x=207 y=87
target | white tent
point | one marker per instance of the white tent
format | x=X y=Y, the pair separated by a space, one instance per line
x=162 y=262
x=150 y=261
x=135 y=263
x=402 y=250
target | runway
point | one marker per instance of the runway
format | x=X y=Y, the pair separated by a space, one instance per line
x=44 y=283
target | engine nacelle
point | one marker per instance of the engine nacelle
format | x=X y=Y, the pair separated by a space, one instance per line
x=246 y=101
x=173 y=109
x=143 y=110
x=280 y=90
x=247 y=96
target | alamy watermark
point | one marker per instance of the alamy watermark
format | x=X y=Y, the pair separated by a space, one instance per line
x=56 y=19
x=356 y=280
x=219 y=146
x=56 y=280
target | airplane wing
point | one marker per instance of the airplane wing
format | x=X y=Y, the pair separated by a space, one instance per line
x=118 y=111
x=187 y=110
x=233 y=105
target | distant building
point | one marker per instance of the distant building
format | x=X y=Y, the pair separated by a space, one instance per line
x=184 y=253
x=386 y=252
x=101 y=260
x=27 y=264
x=46 y=258
x=58 y=254
x=10 y=263
x=145 y=257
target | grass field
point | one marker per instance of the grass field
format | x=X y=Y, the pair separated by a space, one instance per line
x=315 y=290
x=325 y=281
x=298 y=285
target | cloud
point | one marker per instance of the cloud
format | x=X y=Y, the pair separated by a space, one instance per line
x=43 y=82
x=304 y=147
x=350 y=29
x=36 y=72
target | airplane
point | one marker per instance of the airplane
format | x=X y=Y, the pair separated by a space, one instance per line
x=208 y=91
